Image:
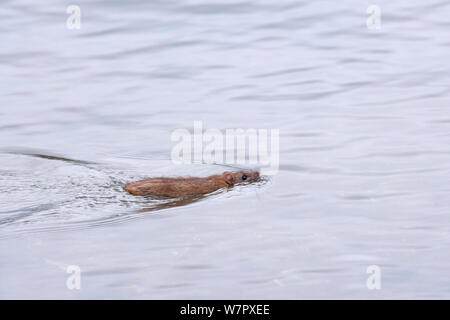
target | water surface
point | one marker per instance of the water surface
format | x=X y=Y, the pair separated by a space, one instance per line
x=364 y=126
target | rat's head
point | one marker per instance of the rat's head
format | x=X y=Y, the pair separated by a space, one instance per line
x=232 y=178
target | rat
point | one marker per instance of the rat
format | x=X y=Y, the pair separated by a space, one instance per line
x=185 y=186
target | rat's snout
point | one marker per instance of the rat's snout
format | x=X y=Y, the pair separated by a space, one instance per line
x=256 y=175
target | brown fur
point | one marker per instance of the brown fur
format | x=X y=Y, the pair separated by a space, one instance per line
x=178 y=187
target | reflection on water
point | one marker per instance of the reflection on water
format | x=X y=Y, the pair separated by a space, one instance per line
x=364 y=158
x=160 y=205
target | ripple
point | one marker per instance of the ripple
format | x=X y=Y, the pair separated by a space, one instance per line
x=308 y=169
x=148 y=49
x=283 y=72
x=287 y=97
x=369 y=196
x=391 y=173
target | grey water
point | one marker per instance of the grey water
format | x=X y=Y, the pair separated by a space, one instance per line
x=364 y=175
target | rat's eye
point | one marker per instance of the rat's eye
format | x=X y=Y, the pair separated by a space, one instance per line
x=244 y=177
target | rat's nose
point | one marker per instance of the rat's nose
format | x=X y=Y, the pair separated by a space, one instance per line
x=257 y=176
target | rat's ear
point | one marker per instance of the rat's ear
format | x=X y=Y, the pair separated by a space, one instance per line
x=228 y=178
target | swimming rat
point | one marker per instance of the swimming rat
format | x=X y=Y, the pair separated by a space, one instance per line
x=179 y=187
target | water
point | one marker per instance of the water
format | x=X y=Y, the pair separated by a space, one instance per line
x=364 y=149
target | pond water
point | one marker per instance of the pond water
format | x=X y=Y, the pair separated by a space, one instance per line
x=364 y=174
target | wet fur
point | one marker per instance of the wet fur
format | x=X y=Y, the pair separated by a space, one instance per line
x=178 y=187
